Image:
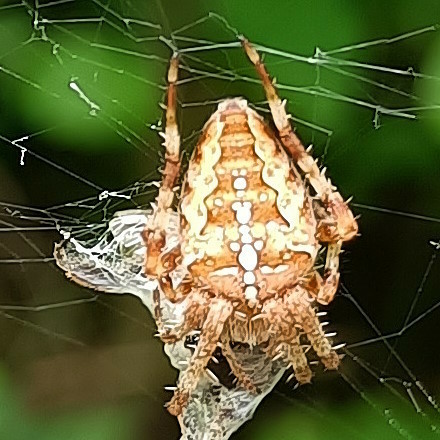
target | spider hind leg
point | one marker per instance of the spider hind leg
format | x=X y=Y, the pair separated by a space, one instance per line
x=212 y=328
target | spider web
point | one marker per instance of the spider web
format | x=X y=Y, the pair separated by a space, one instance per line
x=81 y=87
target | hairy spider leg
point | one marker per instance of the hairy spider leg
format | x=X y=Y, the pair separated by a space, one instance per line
x=284 y=338
x=338 y=224
x=296 y=312
x=237 y=370
x=158 y=265
x=219 y=311
x=193 y=315
x=300 y=305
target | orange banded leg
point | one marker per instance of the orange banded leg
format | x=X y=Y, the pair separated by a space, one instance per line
x=305 y=316
x=212 y=328
x=331 y=274
x=285 y=339
x=236 y=368
x=325 y=288
x=293 y=352
x=154 y=233
x=298 y=360
x=340 y=217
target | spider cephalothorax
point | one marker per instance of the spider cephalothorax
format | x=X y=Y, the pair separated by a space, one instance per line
x=254 y=212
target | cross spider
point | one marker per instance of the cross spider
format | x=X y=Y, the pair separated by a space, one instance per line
x=254 y=211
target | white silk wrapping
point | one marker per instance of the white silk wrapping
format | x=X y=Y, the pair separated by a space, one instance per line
x=114 y=264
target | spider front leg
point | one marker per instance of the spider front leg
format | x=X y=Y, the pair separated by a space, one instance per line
x=218 y=312
x=155 y=231
x=340 y=222
x=336 y=223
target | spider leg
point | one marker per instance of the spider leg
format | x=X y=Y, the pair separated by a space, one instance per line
x=218 y=313
x=339 y=221
x=336 y=222
x=324 y=288
x=331 y=274
x=193 y=317
x=293 y=352
x=237 y=369
x=301 y=307
x=285 y=339
x=158 y=265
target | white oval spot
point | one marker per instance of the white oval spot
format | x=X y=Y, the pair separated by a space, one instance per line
x=240 y=193
x=248 y=257
x=234 y=246
x=236 y=205
x=243 y=214
x=251 y=292
x=240 y=183
x=281 y=268
x=244 y=229
x=218 y=202
x=246 y=238
x=263 y=197
x=249 y=278
x=226 y=271
x=258 y=245
x=266 y=269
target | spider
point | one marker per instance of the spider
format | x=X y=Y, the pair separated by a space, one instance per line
x=254 y=211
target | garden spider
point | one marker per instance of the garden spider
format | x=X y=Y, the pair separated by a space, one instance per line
x=254 y=211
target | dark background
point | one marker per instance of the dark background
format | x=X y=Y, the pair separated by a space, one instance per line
x=93 y=370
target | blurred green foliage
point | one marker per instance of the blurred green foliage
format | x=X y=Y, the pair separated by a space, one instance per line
x=18 y=423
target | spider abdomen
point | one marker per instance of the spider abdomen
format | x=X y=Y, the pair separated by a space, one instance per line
x=247 y=225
